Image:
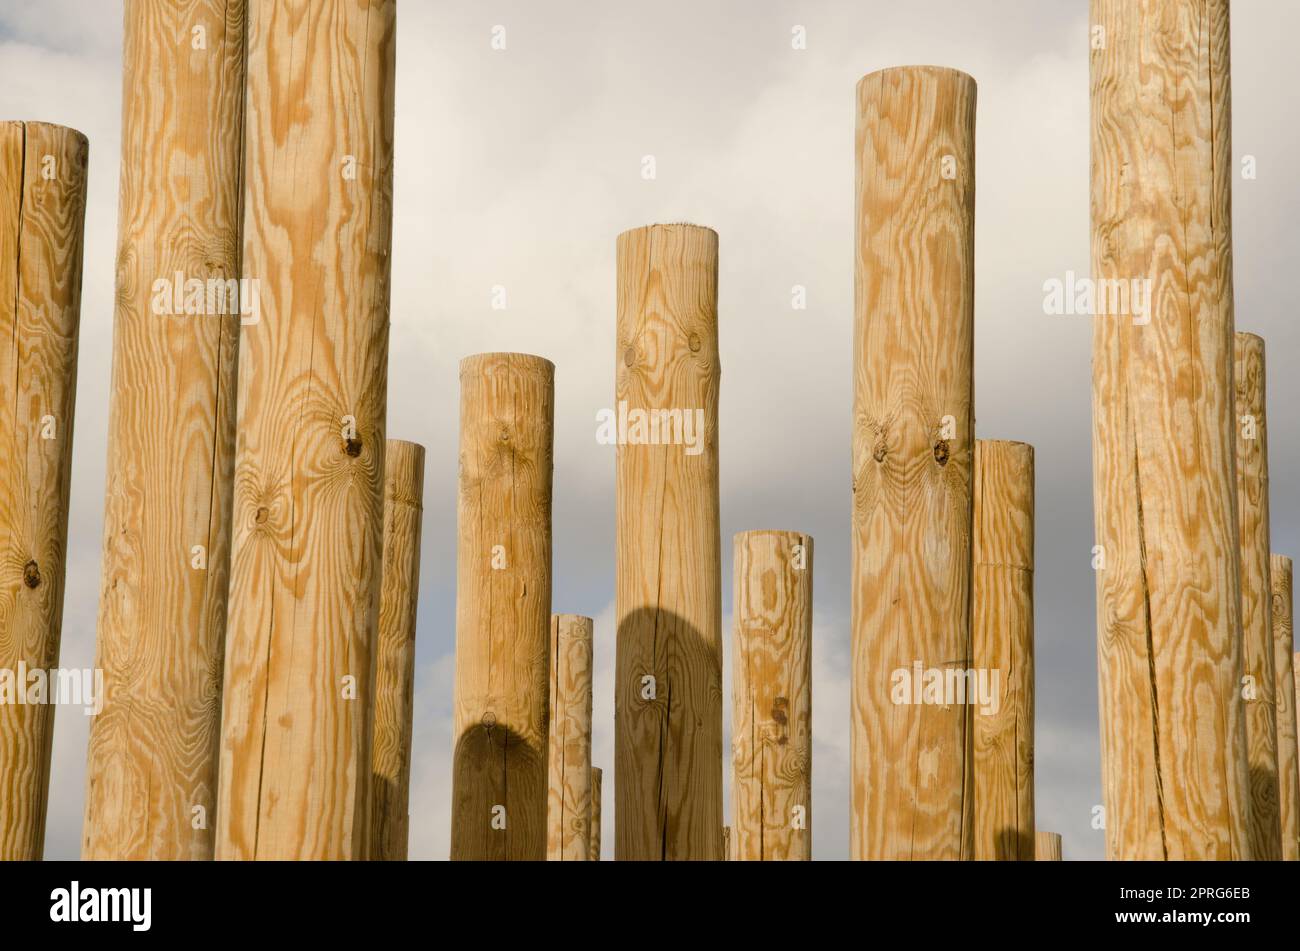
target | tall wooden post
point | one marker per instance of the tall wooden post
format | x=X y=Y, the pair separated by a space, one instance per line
x=914 y=288
x=503 y=607
x=390 y=754
x=593 y=853
x=1288 y=757
x=309 y=466
x=569 y=800
x=42 y=217
x=771 y=696
x=668 y=686
x=151 y=773
x=1256 y=596
x=1174 y=773
x=1002 y=636
x=1047 y=847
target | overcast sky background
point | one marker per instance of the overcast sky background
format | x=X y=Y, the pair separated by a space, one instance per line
x=520 y=167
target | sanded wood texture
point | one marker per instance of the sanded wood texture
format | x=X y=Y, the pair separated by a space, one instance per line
x=1174 y=773
x=771 y=697
x=593 y=853
x=668 y=592
x=151 y=773
x=503 y=608
x=42 y=221
x=307 y=542
x=390 y=752
x=912 y=445
x=1002 y=638
x=569 y=796
x=1047 y=846
x=1288 y=756
x=1256 y=597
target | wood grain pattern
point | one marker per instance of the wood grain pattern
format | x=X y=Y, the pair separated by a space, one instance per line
x=593 y=853
x=390 y=746
x=1002 y=640
x=771 y=697
x=1174 y=772
x=912 y=444
x=1256 y=596
x=1288 y=756
x=309 y=465
x=668 y=592
x=42 y=221
x=569 y=802
x=151 y=773
x=1047 y=846
x=503 y=608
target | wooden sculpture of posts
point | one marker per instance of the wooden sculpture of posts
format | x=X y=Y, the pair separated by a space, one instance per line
x=771 y=695
x=503 y=608
x=307 y=546
x=151 y=771
x=668 y=599
x=1174 y=768
x=42 y=221
x=912 y=446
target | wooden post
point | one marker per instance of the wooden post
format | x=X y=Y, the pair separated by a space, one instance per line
x=390 y=754
x=1047 y=846
x=568 y=801
x=668 y=687
x=1174 y=771
x=912 y=446
x=593 y=853
x=503 y=608
x=1256 y=597
x=771 y=695
x=42 y=217
x=151 y=771
x=1288 y=757
x=1002 y=638
x=309 y=467
x=726 y=844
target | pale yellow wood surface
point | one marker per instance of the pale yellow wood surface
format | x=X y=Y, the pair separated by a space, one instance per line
x=1047 y=846
x=503 y=608
x=390 y=753
x=307 y=541
x=668 y=730
x=1288 y=757
x=1174 y=775
x=771 y=697
x=912 y=445
x=569 y=792
x=1002 y=637
x=593 y=854
x=42 y=217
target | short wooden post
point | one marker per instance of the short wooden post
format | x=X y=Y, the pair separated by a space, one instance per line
x=771 y=695
x=593 y=853
x=307 y=549
x=42 y=217
x=1047 y=846
x=569 y=797
x=503 y=607
x=1174 y=775
x=390 y=747
x=914 y=284
x=1002 y=635
x=1288 y=757
x=668 y=686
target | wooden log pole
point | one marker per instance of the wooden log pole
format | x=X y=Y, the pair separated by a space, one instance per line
x=1260 y=686
x=912 y=447
x=390 y=747
x=307 y=543
x=1288 y=756
x=668 y=592
x=151 y=771
x=1002 y=638
x=1174 y=775
x=771 y=696
x=569 y=792
x=593 y=854
x=1047 y=846
x=503 y=608
x=42 y=223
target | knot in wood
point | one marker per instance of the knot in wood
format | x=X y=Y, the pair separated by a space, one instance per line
x=352 y=447
x=941 y=452
x=31 y=574
x=694 y=343
x=879 y=453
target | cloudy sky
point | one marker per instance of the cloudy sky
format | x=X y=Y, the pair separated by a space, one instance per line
x=518 y=167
